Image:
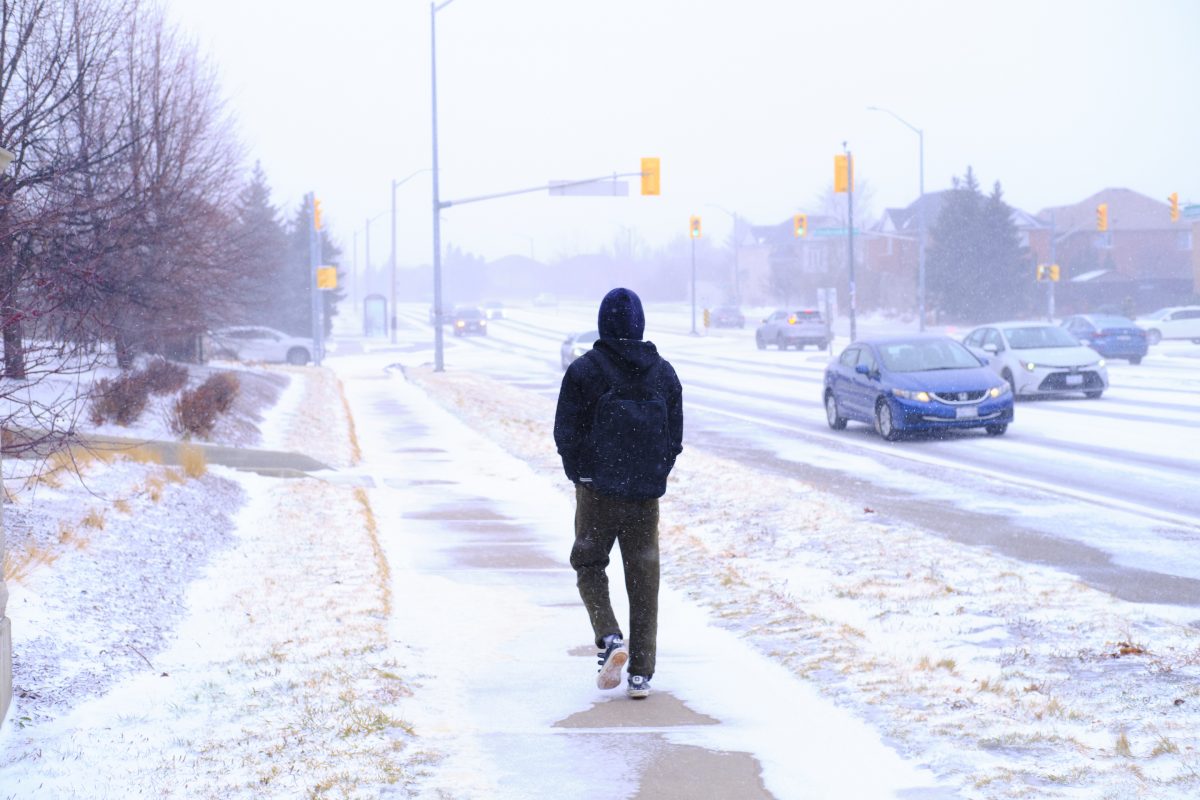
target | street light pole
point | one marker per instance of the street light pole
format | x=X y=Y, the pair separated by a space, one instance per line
x=439 y=364
x=920 y=213
x=395 y=185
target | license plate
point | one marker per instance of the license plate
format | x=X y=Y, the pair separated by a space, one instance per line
x=966 y=412
x=1074 y=380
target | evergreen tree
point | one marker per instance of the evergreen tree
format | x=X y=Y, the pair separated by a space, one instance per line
x=976 y=268
x=260 y=248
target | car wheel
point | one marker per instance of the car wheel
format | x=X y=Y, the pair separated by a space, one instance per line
x=885 y=426
x=1012 y=384
x=822 y=345
x=996 y=430
x=760 y=341
x=1094 y=395
x=1153 y=336
x=297 y=356
x=781 y=343
x=1135 y=359
x=836 y=421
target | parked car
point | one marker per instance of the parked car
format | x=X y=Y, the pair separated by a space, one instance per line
x=258 y=343
x=1039 y=358
x=728 y=317
x=1179 y=322
x=576 y=344
x=1110 y=336
x=793 y=329
x=915 y=383
x=469 y=319
x=494 y=309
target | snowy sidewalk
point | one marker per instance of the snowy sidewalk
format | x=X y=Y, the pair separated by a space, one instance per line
x=485 y=606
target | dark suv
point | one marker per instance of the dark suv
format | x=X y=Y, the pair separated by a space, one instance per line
x=469 y=320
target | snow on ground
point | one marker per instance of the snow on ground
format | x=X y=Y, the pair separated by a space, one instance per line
x=1015 y=681
x=204 y=633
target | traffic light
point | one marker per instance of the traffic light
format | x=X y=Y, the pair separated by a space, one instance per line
x=650 y=175
x=1041 y=272
x=1102 y=217
x=843 y=173
x=316 y=214
x=800 y=225
x=707 y=317
x=1174 y=198
x=1054 y=272
x=695 y=227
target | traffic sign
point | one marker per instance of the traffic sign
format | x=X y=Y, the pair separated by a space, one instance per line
x=1192 y=210
x=326 y=277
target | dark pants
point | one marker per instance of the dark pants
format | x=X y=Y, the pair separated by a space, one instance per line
x=601 y=520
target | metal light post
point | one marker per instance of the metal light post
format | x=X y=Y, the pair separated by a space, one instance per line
x=920 y=214
x=439 y=364
x=737 y=285
x=395 y=185
x=850 y=237
x=5 y=626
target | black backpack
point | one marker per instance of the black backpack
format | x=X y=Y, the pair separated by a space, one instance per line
x=630 y=438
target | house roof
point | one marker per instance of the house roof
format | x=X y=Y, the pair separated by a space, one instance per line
x=906 y=221
x=782 y=233
x=1127 y=210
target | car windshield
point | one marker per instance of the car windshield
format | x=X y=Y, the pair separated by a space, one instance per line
x=1034 y=337
x=469 y=313
x=920 y=356
x=806 y=316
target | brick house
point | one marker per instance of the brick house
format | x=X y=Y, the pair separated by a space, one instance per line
x=777 y=268
x=1143 y=259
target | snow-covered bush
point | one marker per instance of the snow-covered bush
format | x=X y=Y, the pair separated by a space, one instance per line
x=196 y=411
x=120 y=400
x=163 y=377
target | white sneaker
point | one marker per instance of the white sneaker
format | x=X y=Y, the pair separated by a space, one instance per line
x=612 y=661
x=639 y=687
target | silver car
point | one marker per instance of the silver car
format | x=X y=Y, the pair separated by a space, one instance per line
x=258 y=343
x=1037 y=358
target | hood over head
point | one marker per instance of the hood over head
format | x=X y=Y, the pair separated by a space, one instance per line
x=621 y=315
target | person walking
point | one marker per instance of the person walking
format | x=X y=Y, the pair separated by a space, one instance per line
x=619 y=429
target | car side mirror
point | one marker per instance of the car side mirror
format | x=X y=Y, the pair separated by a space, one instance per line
x=991 y=348
x=862 y=369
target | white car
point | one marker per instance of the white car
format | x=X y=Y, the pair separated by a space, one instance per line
x=1037 y=358
x=1180 y=322
x=258 y=343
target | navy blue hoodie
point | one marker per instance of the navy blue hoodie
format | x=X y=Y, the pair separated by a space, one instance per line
x=621 y=322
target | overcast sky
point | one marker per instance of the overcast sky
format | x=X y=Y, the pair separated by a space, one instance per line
x=745 y=102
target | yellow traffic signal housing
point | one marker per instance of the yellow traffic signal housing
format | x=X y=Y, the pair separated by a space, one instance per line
x=707 y=317
x=695 y=227
x=843 y=173
x=1041 y=272
x=1174 y=198
x=316 y=214
x=326 y=277
x=1102 y=217
x=1054 y=272
x=800 y=225
x=650 y=175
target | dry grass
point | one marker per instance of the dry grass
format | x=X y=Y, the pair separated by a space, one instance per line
x=142 y=454
x=193 y=460
x=18 y=565
x=154 y=488
x=123 y=506
x=381 y=562
x=94 y=519
x=1122 y=747
x=356 y=451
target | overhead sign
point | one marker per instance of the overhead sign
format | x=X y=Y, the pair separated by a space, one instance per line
x=1192 y=211
x=605 y=188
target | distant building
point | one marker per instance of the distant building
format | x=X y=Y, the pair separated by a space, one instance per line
x=778 y=268
x=1143 y=259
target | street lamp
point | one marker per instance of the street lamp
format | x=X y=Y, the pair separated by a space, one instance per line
x=920 y=214
x=438 y=360
x=737 y=286
x=396 y=184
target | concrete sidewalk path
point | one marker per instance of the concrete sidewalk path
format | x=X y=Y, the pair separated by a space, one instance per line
x=489 y=622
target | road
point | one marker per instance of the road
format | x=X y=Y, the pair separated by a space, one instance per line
x=1106 y=488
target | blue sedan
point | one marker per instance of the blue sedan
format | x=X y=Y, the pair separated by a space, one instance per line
x=1111 y=337
x=915 y=383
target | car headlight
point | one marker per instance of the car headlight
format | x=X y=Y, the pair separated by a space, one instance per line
x=483 y=323
x=922 y=397
x=1029 y=365
x=1100 y=363
x=996 y=391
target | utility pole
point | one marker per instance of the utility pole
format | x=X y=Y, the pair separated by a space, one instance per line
x=392 y=264
x=314 y=260
x=694 y=332
x=356 y=295
x=850 y=233
x=439 y=364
